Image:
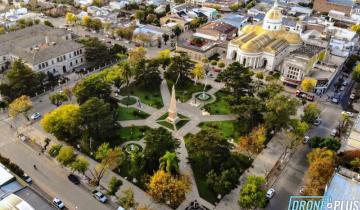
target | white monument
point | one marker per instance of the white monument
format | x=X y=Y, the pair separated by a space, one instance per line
x=172 y=117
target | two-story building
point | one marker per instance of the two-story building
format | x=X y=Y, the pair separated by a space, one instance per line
x=42 y=48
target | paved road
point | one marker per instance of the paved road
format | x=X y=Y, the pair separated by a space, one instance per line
x=290 y=180
x=50 y=177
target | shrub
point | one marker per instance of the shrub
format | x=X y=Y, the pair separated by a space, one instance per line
x=114 y=185
x=66 y=155
x=259 y=75
x=221 y=64
x=54 y=150
x=213 y=63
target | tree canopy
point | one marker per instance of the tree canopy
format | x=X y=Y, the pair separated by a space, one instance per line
x=252 y=194
x=92 y=86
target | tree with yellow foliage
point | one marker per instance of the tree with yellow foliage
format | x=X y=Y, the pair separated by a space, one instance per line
x=356 y=28
x=70 y=18
x=20 y=105
x=198 y=72
x=86 y=21
x=308 y=84
x=168 y=189
x=254 y=142
x=135 y=55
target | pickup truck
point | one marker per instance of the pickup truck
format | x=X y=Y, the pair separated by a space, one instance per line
x=99 y=196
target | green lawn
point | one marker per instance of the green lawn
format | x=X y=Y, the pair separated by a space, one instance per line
x=221 y=105
x=128 y=101
x=229 y=129
x=133 y=133
x=149 y=96
x=130 y=113
x=162 y=121
x=184 y=93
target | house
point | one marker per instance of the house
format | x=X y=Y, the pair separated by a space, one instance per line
x=324 y=6
x=343 y=42
x=198 y=48
x=234 y=20
x=299 y=63
x=292 y=25
x=216 y=31
x=172 y=20
x=14 y=202
x=43 y=49
x=117 y=5
x=84 y=2
x=189 y=10
x=96 y=11
x=154 y=33
x=296 y=10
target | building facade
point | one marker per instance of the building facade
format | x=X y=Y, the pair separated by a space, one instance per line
x=43 y=49
x=264 y=46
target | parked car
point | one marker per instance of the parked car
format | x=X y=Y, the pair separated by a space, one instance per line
x=334 y=132
x=35 y=116
x=99 y=196
x=317 y=122
x=22 y=137
x=27 y=178
x=342 y=88
x=270 y=193
x=306 y=139
x=345 y=83
x=74 y=179
x=335 y=100
x=350 y=114
x=352 y=96
x=58 y=203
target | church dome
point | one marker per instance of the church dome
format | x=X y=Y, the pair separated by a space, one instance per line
x=274 y=14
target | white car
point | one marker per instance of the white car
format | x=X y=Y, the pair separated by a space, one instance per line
x=306 y=139
x=58 y=203
x=27 y=178
x=35 y=116
x=350 y=114
x=335 y=100
x=342 y=88
x=333 y=132
x=352 y=96
x=99 y=196
x=270 y=193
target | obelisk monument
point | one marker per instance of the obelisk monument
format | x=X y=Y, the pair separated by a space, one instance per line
x=172 y=117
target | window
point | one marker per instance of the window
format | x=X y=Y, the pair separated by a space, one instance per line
x=76 y=61
x=81 y=60
x=70 y=63
x=43 y=65
x=52 y=62
x=46 y=64
x=64 y=57
x=39 y=66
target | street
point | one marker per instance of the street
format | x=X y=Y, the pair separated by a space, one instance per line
x=291 y=178
x=50 y=176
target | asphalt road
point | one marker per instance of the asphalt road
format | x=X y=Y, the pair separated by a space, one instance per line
x=290 y=180
x=50 y=176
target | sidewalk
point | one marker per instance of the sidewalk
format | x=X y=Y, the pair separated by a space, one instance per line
x=139 y=194
x=261 y=166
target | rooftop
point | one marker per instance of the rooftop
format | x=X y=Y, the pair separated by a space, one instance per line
x=14 y=202
x=5 y=176
x=343 y=188
x=308 y=50
x=348 y=3
x=37 y=43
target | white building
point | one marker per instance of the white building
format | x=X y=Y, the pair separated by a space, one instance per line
x=264 y=46
x=343 y=42
x=48 y=50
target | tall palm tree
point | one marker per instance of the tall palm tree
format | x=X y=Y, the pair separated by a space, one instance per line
x=170 y=162
x=126 y=73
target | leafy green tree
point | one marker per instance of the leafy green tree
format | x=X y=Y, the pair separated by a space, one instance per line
x=148 y=74
x=157 y=142
x=80 y=164
x=109 y=158
x=54 y=150
x=63 y=122
x=96 y=52
x=165 y=38
x=58 y=98
x=180 y=65
x=177 y=31
x=92 y=86
x=140 y=15
x=234 y=7
x=253 y=193
x=327 y=142
x=209 y=149
x=222 y=184
x=114 y=185
x=170 y=163
x=279 y=110
x=126 y=72
x=311 y=113
x=269 y=91
x=19 y=80
x=98 y=119
x=66 y=155
x=127 y=200
x=20 y=105
x=356 y=73
x=48 y=23
x=238 y=80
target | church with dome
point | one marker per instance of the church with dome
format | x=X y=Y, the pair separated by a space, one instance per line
x=264 y=46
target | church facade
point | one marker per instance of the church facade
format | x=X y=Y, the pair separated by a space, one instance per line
x=264 y=46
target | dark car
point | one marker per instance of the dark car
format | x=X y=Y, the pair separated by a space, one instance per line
x=74 y=179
